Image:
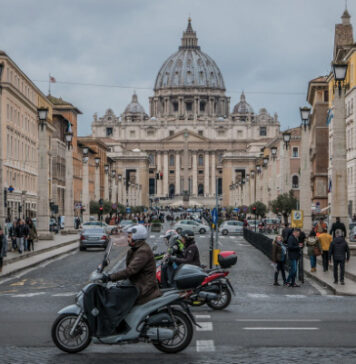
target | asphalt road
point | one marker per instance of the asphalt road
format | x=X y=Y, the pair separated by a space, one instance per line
x=263 y=324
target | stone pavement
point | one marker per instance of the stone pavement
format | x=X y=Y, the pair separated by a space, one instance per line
x=44 y=250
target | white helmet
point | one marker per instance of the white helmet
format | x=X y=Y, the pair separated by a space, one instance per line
x=139 y=232
x=170 y=233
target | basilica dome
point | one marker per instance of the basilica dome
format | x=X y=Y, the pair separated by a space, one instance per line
x=243 y=107
x=189 y=67
x=134 y=107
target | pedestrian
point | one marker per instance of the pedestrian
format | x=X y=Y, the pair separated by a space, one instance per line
x=301 y=241
x=12 y=235
x=320 y=226
x=32 y=235
x=314 y=249
x=1 y=248
x=339 y=251
x=21 y=234
x=286 y=232
x=325 y=240
x=4 y=245
x=293 y=255
x=279 y=254
x=338 y=225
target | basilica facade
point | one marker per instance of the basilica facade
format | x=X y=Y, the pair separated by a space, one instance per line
x=191 y=142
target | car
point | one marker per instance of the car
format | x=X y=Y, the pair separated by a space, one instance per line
x=125 y=224
x=192 y=225
x=231 y=227
x=94 y=237
x=94 y=224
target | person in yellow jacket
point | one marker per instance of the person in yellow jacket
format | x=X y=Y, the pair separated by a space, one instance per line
x=325 y=240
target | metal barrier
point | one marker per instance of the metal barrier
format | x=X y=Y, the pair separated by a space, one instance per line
x=259 y=241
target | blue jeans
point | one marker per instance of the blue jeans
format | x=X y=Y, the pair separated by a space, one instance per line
x=313 y=261
x=292 y=271
x=20 y=244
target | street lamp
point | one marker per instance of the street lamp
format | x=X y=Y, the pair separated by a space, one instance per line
x=69 y=137
x=339 y=70
x=252 y=174
x=258 y=168
x=265 y=161
x=286 y=138
x=113 y=173
x=274 y=152
x=85 y=154
x=42 y=115
x=304 y=115
x=97 y=162
x=106 y=168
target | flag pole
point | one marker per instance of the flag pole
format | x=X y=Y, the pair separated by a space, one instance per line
x=49 y=84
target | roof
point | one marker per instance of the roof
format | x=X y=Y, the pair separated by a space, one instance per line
x=316 y=82
x=58 y=101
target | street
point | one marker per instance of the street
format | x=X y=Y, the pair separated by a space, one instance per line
x=263 y=322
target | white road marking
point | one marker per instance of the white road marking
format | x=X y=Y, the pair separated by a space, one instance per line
x=280 y=328
x=205 y=346
x=28 y=294
x=232 y=237
x=257 y=295
x=152 y=236
x=64 y=294
x=205 y=326
x=295 y=295
x=201 y=236
x=202 y=317
x=278 y=320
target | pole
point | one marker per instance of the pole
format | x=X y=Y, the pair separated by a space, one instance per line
x=255 y=197
x=217 y=212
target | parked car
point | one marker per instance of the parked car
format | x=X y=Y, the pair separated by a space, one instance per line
x=231 y=227
x=94 y=237
x=192 y=225
x=94 y=224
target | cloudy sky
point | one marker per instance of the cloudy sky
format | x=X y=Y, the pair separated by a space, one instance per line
x=269 y=48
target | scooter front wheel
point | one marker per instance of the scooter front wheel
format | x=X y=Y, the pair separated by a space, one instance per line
x=223 y=300
x=182 y=337
x=61 y=336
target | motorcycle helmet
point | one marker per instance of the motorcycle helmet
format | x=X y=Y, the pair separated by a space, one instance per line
x=169 y=234
x=139 y=232
x=187 y=234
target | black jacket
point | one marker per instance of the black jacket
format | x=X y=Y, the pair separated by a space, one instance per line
x=190 y=255
x=338 y=249
x=286 y=232
x=293 y=247
x=21 y=231
x=337 y=225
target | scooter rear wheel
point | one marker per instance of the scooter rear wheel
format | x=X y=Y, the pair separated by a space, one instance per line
x=222 y=301
x=61 y=333
x=181 y=339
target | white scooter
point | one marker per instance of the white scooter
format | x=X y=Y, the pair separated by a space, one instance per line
x=166 y=321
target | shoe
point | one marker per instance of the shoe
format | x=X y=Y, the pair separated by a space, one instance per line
x=335 y=282
x=276 y=284
x=342 y=282
x=286 y=284
x=295 y=285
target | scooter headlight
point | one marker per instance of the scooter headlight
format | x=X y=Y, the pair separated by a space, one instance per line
x=79 y=299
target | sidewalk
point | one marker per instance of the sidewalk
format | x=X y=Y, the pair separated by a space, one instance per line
x=327 y=278
x=44 y=250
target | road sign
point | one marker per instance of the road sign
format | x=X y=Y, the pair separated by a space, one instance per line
x=297 y=218
x=214 y=215
x=10 y=189
x=236 y=209
x=128 y=210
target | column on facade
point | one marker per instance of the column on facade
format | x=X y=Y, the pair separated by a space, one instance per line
x=106 y=186
x=165 y=174
x=195 y=175
x=305 y=193
x=97 y=183
x=177 y=188
x=69 y=195
x=206 y=174
x=43 y=186
x=180 y=105
x=119 y=190
x=213 y=175
x=159 y=171
x=114 y=190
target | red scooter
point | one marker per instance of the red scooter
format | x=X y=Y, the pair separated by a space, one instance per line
x=216 y=290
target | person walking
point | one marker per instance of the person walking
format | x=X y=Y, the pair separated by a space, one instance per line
x=320 y=226
x=21 y=234
x=293 y=254
x=1 y=248
x=279 y=254
x=286 y=232
x=339 y=251
x=314 y=249
x=338 y=225
x=325 y=240
x=12 y=235
x=32 y=235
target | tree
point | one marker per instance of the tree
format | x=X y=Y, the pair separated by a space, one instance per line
x=258 y=208
x=284 y=204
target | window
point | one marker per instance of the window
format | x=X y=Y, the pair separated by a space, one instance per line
x=202 y=106
x=295 y=182
x=326 y=96
x=171 y=160
x=171 y=172
x=200 y=160
x=295 y=152
x=200 y=132
x=132 y=133
x=189 y=106
x=171 y=132
x=201 y=172
x=175 y=106
x=108 y=132
x=150 y=132
x=263 y=131
x=221 y=132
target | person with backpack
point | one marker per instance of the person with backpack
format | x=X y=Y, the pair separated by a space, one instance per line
x=325 y=240
x=339 y=251
x=32 y=235
x=279 y=255
x=314 y=249
x=338 y=225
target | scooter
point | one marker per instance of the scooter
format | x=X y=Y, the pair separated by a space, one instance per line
x=166 y=321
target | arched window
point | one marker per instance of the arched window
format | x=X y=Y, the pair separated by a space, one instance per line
x=171 y=160
x=172 y=189
x=201 y=190
x=295 y=182
x=201 y=160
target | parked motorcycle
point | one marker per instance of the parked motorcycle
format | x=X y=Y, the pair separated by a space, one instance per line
x=216 y=290
x=106 y=314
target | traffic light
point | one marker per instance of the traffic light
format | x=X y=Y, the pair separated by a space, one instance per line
x=5 y=197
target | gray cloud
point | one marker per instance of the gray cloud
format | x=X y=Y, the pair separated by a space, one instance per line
x=260 y=46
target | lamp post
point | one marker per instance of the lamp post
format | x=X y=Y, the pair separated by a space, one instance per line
x=106 y=182
x=286 y=170
x=113 y=187
x=120 y=189
x=85 y=199
x=97 y=179
x=338 y=148
x=68 y=194
x=2 y=207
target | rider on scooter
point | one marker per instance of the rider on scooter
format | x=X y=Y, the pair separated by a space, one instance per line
x=191 y=251
x=140 y=266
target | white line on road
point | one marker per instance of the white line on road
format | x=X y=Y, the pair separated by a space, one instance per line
x=205 y=326
x=202 y=317
x=152 y=236
x=64 y=294
x=232 y=237
x=278 y=320
x=257 y=295
x=295 y=295
x=280 y=328
x=28 y=294
x=205 y=346
x=201 y=236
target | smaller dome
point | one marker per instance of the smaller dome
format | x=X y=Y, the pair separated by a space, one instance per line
x=134 y=107
x=243 y=107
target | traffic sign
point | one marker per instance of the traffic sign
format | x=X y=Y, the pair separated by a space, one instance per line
x=128 y=210
x=236 y=209
x=214 y=215
x=297 y=218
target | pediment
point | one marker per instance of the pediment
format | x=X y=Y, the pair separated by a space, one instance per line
x=184 y=135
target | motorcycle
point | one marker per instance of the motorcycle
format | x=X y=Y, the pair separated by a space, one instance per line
x=216 y=289
x=166 y=321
